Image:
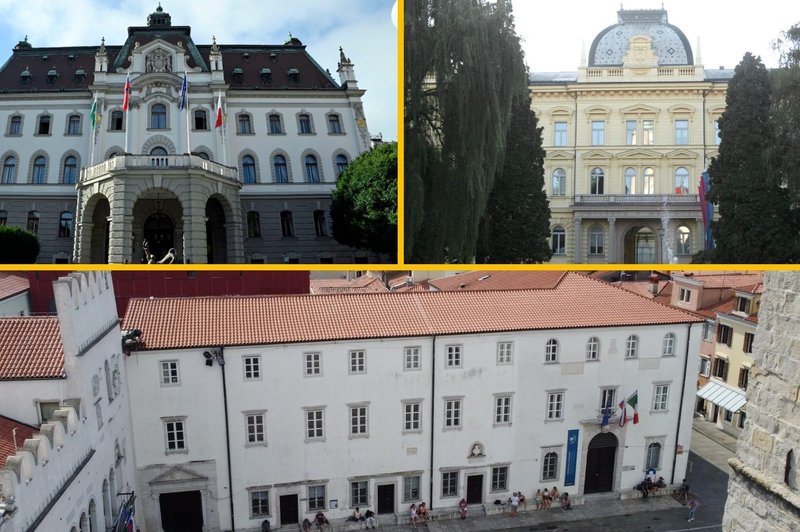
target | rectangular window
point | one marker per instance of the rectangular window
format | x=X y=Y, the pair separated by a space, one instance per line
x=450 y=484
x=245 y=128
x=608 y=398
x=412 y=416
x=630 y=132
x=748 y=342
x=252 y=368
x=313 y=364
x=358 y=361
x=555 y=404
x=411 y=488
x=275 y=125
x=74 y=125
x=744 y=377
x=705 y=366
x=550 y=466
x=316 y=498
x=716 y=132
x=452 y=413
x=708 y=331
x=358 y=421
x=742 y=417
x=505 y=352
x=15 y=127
x=176 y=435
x=720 y=368
x=724 y=334
x=648 y=130
x=560 y=137
x=598 y=132
x=255 y=428
x=320 y=225
x=117 y=120
x=453 y=356
x=259 y=503
x=359 y=493
x=728 y=415
x=44 y=125
x=681 y=132
x=287 y=224
x=500 y=478
x=502 y=410
x=685 y=296
x=98 y=411
x=169 y=372
x=743 y=305
x=596 y=243
x=660 y=397
x=411 y=358
x=315 y=429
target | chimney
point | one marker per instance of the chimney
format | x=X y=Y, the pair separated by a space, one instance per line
x=653 y=284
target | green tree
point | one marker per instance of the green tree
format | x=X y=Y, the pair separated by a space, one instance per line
x=785 y=152
x=517 y=223
x=463 y=66
x=17 y=246
x=756 y=224
x=364 y=202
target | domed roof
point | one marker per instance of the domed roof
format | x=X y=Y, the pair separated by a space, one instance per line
x=669 y=43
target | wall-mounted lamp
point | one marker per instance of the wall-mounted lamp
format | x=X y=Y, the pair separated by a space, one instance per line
x=212 y=355
x=130 y=340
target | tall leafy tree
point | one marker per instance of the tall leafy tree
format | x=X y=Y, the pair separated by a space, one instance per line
x=785 y=112
x=463 y=67
x=756 y=223
x=364 y=202
x=517 y=222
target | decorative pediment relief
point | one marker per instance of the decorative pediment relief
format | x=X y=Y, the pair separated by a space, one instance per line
x=178 y=474
x=159 y=60
x=639 y=153
x=681 y=109
x=640 y=52
x=597 y=154
x=681 y=154
x=639 y=109
x=559 y=155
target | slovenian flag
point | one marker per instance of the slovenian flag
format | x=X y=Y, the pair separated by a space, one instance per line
x=93 y=114
x=126 y=93
x=218 y=122
x=633 y=400
x=623 y=417
x=606 y=412
x=182 y=100
x=130 y=525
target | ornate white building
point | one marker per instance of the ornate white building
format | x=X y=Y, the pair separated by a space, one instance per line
x=255 y=190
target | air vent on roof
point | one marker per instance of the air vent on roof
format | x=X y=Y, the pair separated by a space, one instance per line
x=238 y=74
x=246 y=56
x=25 y=76
x=52 y=75
x=274 y=57
x=71 y=58
x=45 y=59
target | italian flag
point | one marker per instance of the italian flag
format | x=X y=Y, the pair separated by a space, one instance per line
x=633 y=400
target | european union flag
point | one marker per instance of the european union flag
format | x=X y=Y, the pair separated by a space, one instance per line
x=184 y=88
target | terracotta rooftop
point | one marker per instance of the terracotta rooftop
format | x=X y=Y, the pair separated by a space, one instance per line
x=31 y=348
x=12 y=284
x=23 y=432
x=498 y=280
x=363 y=284
x=720 y=279
x=644 y=289
x=726 y=307
x=577 y=301
x=752 y=289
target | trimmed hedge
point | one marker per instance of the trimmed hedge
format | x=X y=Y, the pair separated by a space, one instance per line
x=17 y=246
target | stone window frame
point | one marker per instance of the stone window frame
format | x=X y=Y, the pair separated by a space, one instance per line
x=256 y=370
x=202 y=109
x=324 y=504
x=249 y=115
x=412 y=358
x=455 y=356
x=456 y=420
x=38 y=122
x=315 y=369
x=34 y=156
x=357 y=362
x=562 y=177
x=408 y=424
x=21 y=124
x=357 y=499
x=544 y=452
x=558 y=413
x=551 y=349
x=505 y=353
x=359 y=428
x=80 y=124
x=167 y=124
x=668 y=345
x=593 y=349
x=313 y=129
x=338 y=115
x=649 y=440
x=253 y=228
x=561 y=231
x=247 y=415
x=408 y=486
x=496 y=483
x=314 y=438
x=110 y=113
x=307 y=152
x=591 y=232
x=281 y=122
x=254 y=155
x=662 y=406
x=251 y=491
x=334 y=155
x=184 y=429
x=632 y=347
x=15 y=172
x=70 y=153
x=503 y=401
x=282 y=153
x=114 y=150
x=454 y=481
x=175 y=367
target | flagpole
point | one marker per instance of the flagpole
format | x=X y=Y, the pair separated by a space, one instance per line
x=222 y=131
x=94 y=132
x=188 y=112
x=126 y=112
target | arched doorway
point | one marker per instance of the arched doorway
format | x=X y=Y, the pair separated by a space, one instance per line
x=100 y=232
x=216 y=239
x=600 y=463
x=640 y=246
x=159 y=231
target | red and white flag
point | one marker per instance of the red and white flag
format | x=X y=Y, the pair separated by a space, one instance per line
x=218 y=122
x=127 y=93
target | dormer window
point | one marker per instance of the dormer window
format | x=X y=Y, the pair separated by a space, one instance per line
x=266 y=75
x=273 y=57
x=45 y=59
x=71 y=58
x=294 y=76
x=246 y=56
x=25 y=76
x=80 y=76
x=238 y=75
x=52 y=76
x=743 y=305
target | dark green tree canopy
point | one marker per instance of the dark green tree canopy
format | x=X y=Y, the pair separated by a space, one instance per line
x=17 y=246
x=364 y=202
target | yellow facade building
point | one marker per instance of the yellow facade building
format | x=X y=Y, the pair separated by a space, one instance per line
x=627 y=138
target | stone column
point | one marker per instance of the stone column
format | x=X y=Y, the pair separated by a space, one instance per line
x=612 y=241
x=195 y=246
x=660 y=245
x=235 y=241
x=578 y=238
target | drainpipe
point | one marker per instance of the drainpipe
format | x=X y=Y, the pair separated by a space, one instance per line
x=218 y=354
x=574 y=96
x=705 y=93
x=680 y=405
x=433 y=411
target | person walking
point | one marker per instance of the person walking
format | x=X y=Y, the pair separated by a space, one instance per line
x=692 y=505
x=514 y=504
x=683 y=490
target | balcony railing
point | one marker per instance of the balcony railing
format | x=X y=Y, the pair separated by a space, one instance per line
x=645 y=200
x=163 y=162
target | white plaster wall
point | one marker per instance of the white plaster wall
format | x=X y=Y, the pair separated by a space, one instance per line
x=16 y=305
x=21 y=398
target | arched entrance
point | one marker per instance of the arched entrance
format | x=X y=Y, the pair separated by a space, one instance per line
x=157 y=218
x=159 y=231
x=600 y=463
x=216 y=239
x=640 y=246
x=99 y=232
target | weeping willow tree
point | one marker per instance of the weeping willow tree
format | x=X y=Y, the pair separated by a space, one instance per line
x=463 y=67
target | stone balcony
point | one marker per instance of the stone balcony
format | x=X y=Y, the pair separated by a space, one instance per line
x=637 y=200
x=122 y=163
x=650 y=73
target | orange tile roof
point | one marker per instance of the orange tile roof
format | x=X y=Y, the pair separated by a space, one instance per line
x=363 y=284
x=31 y=348
x=23 y=432
x=577 y=301
x=498 y=280
x=727 y=306
x=422 y=286
x=721 y=279
x=12 y=284
x=643 y=288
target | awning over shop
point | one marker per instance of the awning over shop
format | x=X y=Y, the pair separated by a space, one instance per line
x=723 y=395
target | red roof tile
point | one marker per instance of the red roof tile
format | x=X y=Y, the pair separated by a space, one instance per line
x=31 y=348
x=577 y=301
x=12 y=284
x=363 y=284
x=721 y=279
x=7 y=435
x=498 y=280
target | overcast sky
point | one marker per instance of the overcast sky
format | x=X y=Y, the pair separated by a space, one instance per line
x=552 y=31
x=362 y=27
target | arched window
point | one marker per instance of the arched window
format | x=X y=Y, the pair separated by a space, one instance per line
x=559 y=240
x=551 y=351
x=65 y=224
x=33 y=222
x=253 y=225
x=93 y=516
x=649 y=186
x=74 y=125
x=44 y=125
x=275 y=127
x=203 y=155
x=559 y=182
x=15 y=126
x=597 y=179
x=596 y=240
x=341 y=164
x=312 y=170
x=200 y=119
x=304 y=124
x=9 y=165
x=668 y=349
x=684 y=240
x=245 y=125
x=158 y=156
x=281 y=172
x=653 y=456
x=632 y=346
x=248 y=169
x=39 y=169
x=109 y=388
x=550 y=466
x=334 y=125
x=681 y=181
x=630 y=181
x=84 y=522
x=70 y=170
x=117 y=121
x=106 y=504
x=593 y=348
x=158 y=116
